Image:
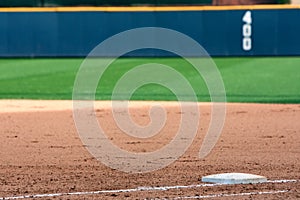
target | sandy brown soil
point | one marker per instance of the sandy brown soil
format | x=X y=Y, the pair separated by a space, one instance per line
x=41 y=152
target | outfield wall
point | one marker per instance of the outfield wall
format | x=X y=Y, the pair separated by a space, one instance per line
x=227 y=31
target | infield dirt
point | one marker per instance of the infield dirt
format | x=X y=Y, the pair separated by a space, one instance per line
x=41 y=151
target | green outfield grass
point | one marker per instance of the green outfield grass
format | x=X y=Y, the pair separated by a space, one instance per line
x=259 y=79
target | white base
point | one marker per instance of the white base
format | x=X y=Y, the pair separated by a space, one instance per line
x=234 y=178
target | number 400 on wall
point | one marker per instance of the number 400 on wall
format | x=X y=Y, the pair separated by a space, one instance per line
x=247 y=31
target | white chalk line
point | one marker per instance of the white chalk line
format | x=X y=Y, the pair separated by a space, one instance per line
x=138 y=189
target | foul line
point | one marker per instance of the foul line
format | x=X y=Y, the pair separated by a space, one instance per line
x=139 y=189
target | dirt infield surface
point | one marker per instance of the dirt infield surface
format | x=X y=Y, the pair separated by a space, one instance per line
x=41 y=153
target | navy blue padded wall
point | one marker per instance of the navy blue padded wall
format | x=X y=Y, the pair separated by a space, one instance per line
x=47 y=34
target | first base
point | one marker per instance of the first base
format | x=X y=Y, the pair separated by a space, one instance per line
x=234 y=178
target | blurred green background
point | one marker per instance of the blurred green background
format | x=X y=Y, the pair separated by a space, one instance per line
x=255 y=79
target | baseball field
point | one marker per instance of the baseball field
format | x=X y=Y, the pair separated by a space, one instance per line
x=43 y=157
